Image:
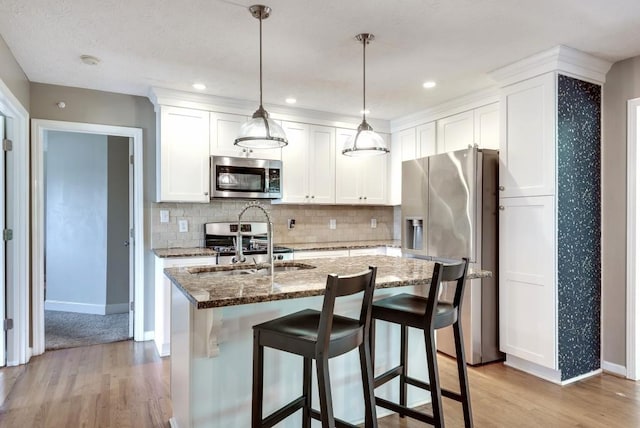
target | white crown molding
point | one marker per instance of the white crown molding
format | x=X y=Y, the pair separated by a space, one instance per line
x=448 y=108
x=171 y=97
x=562 y=59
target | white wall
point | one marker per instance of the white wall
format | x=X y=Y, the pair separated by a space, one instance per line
x=76 y=221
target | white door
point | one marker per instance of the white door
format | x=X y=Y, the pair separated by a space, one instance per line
x=3 y=284
x=322 y=165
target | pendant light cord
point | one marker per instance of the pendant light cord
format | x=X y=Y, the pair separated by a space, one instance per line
x=260 y=19
x=364 y=78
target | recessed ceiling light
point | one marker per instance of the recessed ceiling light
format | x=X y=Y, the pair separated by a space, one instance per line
x=89 y=59
x=367 y=111
x=199 y=86
x=291 y=100
x=429 y=84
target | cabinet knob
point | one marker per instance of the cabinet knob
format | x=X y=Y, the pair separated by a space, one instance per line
x=501 y=207
x=501 y=188
x=206 y=193
x=360 y=197
x=365 y=197
x=306 y=196
x=312 y=197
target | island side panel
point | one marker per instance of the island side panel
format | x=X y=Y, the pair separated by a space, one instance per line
x=219 y=390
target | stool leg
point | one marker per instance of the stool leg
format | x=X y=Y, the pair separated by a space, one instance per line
x=404 y=362
x=324 y=386
x=370 y=420
x=306 y=391
x=258 y=379
x=434 y=380
x=372 y=346
x=462 y=375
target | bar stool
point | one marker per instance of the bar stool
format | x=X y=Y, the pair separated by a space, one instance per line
x=318 y=336
x=427 y=314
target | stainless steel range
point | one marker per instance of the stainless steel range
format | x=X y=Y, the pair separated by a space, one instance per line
x=221 y=237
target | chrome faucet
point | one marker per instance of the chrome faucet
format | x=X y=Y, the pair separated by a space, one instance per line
x=239 y=256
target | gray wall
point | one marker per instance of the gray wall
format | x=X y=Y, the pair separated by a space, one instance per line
x=623 y=83
x=89 y=106
x=117 y=220
x=76 y=220
x=12 y=75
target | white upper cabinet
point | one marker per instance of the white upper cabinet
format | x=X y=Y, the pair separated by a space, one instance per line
x=527 y=140
x=224 y=130
x=308 y=164
x=426 y=144
x=455 y=132
x=359 y=180
x=487 y=126
x=183 y=155
x=407 y=142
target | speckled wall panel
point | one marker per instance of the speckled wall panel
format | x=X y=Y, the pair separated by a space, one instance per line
x=579 y=267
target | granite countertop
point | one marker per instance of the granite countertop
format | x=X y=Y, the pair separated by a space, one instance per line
x=341 y=245
x=184 y=252
x=199 y=251
x=206 y=290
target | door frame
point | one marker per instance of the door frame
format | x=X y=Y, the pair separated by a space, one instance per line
x=38 y=129
x=17 y=296
x=633 y=240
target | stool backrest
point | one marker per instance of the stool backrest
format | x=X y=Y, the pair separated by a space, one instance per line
x=446 y=273
x=346 y=285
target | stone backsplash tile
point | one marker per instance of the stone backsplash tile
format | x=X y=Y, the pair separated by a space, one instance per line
x=312 y=222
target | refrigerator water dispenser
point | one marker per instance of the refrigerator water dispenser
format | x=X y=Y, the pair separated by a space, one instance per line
x=413 y=233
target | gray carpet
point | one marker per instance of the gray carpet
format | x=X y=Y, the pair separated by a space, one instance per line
x=70 y=330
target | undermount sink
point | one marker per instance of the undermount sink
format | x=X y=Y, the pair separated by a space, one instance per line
x=246 y=270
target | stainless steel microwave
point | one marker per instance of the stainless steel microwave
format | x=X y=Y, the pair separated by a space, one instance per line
x=245 y=178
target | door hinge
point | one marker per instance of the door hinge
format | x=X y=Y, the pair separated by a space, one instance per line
x=131 y=159
x=7 y=145
x=7 y=234
x=132 y=306
x=8 y=324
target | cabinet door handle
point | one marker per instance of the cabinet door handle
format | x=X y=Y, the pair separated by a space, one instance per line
x=501 y=207
x=501 y=188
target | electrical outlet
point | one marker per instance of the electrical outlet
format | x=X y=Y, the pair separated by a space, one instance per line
x=374 y=223
x=332 y=223
x=164 y=216
x=183 y=226
x=291 y=223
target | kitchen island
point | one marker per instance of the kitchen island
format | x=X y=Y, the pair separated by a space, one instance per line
x=211 y=337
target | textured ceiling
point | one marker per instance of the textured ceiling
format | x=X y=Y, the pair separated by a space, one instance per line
x=309 y=50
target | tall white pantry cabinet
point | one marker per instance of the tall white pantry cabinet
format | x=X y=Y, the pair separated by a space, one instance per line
x=549 y=215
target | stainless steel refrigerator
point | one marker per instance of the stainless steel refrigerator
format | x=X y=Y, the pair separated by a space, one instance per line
x=449 y=211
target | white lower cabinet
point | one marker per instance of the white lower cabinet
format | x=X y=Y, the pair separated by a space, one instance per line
x=319 y=254
x=528 y=327
x=162 y=305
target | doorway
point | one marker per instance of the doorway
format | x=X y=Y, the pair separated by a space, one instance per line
x=42 y=130
x=86 y=269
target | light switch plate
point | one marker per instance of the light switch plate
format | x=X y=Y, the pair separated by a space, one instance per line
x=332 y=223
x=164 y=216
x=183 y=226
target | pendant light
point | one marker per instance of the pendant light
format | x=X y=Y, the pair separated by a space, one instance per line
x=260 y=132
x=365 y=142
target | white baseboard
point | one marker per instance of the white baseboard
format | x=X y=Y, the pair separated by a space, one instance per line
x=86 y=308
x=164 y=349
x=148 y=335
x=173 y=423
x=615 y=369
x=545 y=373
x=533 y=369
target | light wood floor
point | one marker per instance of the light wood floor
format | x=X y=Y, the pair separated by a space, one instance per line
x=125 y=384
